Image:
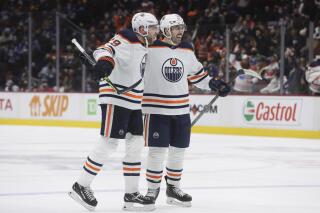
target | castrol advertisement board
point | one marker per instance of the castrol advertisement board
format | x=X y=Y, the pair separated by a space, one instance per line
x=279 y=112
x=234 y=111
x=271 y=111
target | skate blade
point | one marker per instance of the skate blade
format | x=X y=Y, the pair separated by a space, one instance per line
x=172 y=201
x=76 y=197
x=131 y=207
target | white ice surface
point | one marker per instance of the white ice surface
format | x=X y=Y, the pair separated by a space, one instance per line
x=224 y=174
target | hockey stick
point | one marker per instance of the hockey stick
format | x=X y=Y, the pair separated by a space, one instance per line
x=239 y=72
x=92 y=62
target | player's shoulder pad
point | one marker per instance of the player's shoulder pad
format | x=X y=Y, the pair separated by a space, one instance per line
x=129 y=35
x=186 y=45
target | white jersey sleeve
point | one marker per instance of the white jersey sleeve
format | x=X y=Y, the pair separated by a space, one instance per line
x=128 y=55
x=105 y=50
x=197 y=75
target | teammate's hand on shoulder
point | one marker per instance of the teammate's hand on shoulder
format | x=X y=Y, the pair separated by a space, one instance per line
x=218 y=85
x=102 y=69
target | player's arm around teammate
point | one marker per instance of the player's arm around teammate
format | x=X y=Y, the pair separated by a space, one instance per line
x=122 y=60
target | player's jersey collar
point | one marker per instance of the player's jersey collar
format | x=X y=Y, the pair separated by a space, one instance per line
x=130 y=36
x=159 y=43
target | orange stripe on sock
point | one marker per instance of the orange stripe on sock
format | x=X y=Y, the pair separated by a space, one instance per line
x=172 y=174
x=91 y=167
x=131 y=169
x=153 y=176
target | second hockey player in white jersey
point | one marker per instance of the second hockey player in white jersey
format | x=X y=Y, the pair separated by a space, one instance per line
x=122 y=61
x=171 y=65
x=313 y=76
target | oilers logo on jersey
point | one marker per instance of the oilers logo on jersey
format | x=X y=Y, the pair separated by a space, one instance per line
x=172 y=70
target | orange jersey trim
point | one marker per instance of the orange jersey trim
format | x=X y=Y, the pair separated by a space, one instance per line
x=125 y=94
x=197 y=76
x=106 y=58
x=166 y=101
x=108 y=120
x=146 y=130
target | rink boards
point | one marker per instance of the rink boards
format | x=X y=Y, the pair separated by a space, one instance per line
x=281 y=116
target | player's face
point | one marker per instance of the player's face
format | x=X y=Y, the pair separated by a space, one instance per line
x=153 y=32
x=177 y=33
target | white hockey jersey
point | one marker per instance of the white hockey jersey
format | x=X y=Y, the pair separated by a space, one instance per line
x=313 y=76
x=168 y=71
x=128 y=55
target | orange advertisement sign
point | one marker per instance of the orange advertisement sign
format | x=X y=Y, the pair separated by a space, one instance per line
x=49 y=105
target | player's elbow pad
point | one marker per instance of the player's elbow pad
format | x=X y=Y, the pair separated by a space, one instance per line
x=103 y=67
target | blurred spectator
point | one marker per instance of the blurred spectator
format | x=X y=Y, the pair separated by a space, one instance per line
x=254 y=39
x=48 y=74
x=244 y=83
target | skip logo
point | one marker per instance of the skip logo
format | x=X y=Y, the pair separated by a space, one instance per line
x=49 y=106
x=172 y=70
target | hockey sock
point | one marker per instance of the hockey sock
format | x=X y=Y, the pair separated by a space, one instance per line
x=132 y=162
x=155 y=161
x=175 y=165
x=96 y=159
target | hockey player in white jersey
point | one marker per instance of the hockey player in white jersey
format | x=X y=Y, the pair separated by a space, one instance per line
x=313 y=76
x=122 y=60
x=171 y=65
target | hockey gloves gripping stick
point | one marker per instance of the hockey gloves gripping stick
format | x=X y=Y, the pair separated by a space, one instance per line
x=223 y=89
x=102 y=69
x=219 y=86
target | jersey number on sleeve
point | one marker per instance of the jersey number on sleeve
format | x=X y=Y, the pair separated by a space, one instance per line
x=115 y=42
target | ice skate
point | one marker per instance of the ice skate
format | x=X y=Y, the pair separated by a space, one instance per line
x=84 y=196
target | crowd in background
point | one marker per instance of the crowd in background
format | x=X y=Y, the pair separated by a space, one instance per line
x=254 y=39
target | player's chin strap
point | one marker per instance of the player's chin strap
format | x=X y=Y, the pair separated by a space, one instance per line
x=169 y=37
x=239 y=72
x=171 y=42
x=93 y=63
x=146 y=41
